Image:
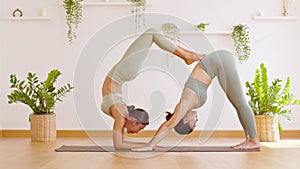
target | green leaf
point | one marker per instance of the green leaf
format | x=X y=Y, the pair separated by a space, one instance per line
x=51 y=79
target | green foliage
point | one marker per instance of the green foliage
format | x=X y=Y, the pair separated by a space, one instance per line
x=138 y=8
x=73 y=10
x=136 y=4
x=270 y=99
x=138 y=1
x=41 y=97
x=171 y=30
x=202 y=26
x=240 y=36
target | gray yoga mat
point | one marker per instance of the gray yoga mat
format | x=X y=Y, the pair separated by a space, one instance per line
x=65 y=148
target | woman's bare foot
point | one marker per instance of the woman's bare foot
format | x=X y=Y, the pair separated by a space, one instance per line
x=189 y=57
x=247 y=140
x=192 y=58
x=252 y=143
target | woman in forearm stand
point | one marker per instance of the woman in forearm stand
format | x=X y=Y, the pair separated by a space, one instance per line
x=113 y=104
x=220 y=64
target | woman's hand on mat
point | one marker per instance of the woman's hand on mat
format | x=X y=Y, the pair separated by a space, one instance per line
x=146 y=148
x=158 y=148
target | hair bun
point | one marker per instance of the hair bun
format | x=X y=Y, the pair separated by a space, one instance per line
x=169 y=115
x=129 y=108
x=139 y=114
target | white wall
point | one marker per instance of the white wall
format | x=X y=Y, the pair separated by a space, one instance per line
x=39 y=46
x=1 y=66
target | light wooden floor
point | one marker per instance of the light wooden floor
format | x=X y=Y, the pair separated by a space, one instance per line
x=21 y=153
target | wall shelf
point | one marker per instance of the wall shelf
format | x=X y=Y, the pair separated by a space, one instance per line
x=28 y=18
x=274 y=18
x=221 y=33
x=106 y=3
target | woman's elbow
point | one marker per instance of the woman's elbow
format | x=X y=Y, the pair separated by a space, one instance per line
x=118 y=147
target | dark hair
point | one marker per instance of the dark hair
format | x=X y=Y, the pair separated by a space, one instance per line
x=180 y=128
x=139 y=114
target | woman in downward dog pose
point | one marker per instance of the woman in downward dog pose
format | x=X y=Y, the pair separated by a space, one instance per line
x=113 y=104
x=220 y=64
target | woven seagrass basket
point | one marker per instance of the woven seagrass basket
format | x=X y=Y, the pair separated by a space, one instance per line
x=267 y=128
x=43 y=127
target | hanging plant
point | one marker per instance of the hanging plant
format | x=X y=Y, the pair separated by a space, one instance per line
x=240 y=36
x=73 y=10
x=138 y=8
x=172 y=31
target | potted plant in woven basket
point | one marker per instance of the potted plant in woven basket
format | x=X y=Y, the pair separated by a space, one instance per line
x=41 y=97
x=268 y=102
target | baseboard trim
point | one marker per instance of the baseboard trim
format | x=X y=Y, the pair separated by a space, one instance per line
x=15 y=133
x=290 y=134
x=146 y=133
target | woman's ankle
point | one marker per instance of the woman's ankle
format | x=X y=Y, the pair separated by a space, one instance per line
x=254 y=140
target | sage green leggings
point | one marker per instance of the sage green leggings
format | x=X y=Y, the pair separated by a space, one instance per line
x=130 y=64
x=221 y=64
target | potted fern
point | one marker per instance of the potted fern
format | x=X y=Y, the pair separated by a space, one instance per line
x=241 y=40
x=41 y=97
x=268 y=101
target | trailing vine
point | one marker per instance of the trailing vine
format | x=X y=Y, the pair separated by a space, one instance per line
x=73 y=10
x=172 y=31
x=138 y=8
x=240 y=36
